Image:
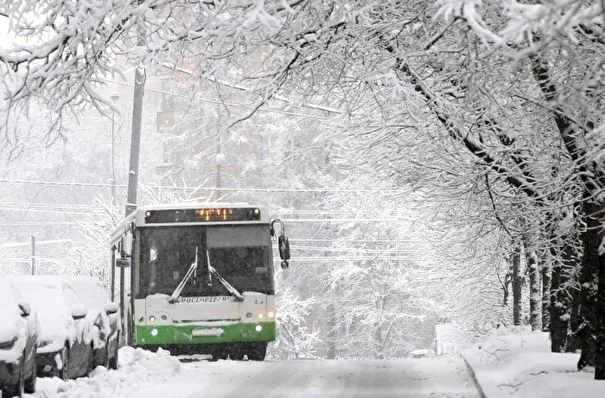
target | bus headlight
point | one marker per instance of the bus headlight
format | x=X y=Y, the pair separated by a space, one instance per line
x=141 y=318
x=261 y=315
x=151 y=318
x=270 y=314
x=154 y=332
x=259 y=328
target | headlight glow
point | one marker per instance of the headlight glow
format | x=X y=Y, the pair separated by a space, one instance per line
x=259 y=328
x=260 y=315
x=154 y=332
x=270 y=314
x=151 y=318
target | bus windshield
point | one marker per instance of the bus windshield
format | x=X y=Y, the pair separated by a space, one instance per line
x=241 y=254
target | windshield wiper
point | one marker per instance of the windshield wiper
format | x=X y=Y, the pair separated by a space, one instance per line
x=192 y=269
x=222 y=280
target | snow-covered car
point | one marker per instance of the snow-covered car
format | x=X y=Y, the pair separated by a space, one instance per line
x=18 y=337
x=65 y=334
x=104 y=315
x=422 y=353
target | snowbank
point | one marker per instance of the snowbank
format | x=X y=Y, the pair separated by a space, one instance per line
x=137 y=368
x=516 y=362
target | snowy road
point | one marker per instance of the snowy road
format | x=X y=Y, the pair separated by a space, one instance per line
x=314 y=378
x=147 y=375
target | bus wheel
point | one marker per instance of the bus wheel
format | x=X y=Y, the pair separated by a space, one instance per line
x=236 y=355
x=257 y=352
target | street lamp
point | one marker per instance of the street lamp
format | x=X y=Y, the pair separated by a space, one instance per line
x=114 y=98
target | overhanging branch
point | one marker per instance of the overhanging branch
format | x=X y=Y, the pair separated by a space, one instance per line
x=474 y=147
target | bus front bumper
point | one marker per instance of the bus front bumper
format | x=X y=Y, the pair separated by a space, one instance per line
x=192 y=334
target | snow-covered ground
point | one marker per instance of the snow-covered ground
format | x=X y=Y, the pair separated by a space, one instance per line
x=510 y=363
x=137 y=368
x=516 y=362
x=147 y=375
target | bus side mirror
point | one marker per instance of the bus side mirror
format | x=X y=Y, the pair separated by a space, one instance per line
x=282 y=242
x=284 y=247
x=284 y=250
x=122 y=262
x=127 y=244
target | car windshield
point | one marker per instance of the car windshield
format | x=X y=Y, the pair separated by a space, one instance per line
x=241 y=255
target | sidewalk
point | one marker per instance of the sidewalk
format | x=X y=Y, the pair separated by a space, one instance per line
x=516 y=362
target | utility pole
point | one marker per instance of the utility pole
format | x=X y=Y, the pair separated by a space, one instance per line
x=219 y=150
x=137 y=114
x=33 y=259
x=135 y=140
x=114 y=99
x=133 y=171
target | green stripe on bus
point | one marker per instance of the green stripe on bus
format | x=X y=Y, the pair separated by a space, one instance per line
x=184 y=334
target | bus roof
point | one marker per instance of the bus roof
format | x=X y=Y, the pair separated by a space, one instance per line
x=138 y=216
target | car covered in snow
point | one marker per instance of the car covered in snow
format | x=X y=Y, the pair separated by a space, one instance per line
x=422 y=353
x=18 y=337
x=103 y=314
x=65 y=335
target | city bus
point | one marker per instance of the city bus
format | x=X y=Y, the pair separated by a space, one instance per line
x=198 y=278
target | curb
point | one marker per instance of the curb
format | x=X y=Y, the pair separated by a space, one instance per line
x=473 y=375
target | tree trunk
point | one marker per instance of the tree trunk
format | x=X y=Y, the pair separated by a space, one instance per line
x=535 y=297
x=591 y=262
x=600 y=352
x=559 y=310
x=573 y=341
x=563 y=302
x=517 y=286
x=332 y=324
x=546 y=286
x=591 y=332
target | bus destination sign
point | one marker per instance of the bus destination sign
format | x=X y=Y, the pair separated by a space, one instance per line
x=202 y=215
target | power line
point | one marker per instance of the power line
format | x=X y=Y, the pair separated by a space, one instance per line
x=62 y=183
x=227 y=189
x=38 y=242
x=25 y=209
x=359 y=240
x=331 y=212
x=36 y=223
x=354 y=250
x=346 y=258
x=59 y=205
x=231 y=104
x=240 y=87
x=315 y=220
